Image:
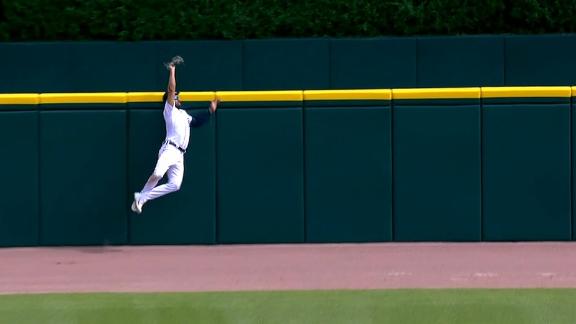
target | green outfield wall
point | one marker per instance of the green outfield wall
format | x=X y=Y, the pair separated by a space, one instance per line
x=288 y=64
x=318 y=166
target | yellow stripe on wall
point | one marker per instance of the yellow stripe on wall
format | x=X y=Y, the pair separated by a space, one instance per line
x=376 y=94
x=68 y=98
x=260 y=95
x=526 y=92
x=144 y=96
x=157 y=96
x=436 y=93
x=296 y=95
x=19 y=98
x=196 y=96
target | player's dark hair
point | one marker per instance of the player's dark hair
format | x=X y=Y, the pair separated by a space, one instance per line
x=165 y=97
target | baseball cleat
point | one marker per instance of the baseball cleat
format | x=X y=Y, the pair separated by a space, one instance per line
x=136 y=205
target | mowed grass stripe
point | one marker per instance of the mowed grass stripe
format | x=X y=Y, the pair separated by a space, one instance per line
x=374 y=306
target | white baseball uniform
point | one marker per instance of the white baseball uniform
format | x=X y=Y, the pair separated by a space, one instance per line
x=171 y=154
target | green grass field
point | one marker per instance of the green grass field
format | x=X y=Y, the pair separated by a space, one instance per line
x=383 y=306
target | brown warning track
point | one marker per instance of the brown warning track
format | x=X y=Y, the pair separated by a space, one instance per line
x=287 y=267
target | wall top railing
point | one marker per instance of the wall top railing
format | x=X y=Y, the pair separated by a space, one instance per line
x=295 y=95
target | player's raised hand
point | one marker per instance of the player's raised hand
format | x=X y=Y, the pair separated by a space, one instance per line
x=214 y=105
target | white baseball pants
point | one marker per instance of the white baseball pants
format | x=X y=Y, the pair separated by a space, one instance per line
x=170 y=160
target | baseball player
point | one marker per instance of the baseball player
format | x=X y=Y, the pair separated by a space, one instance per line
x=171 y=154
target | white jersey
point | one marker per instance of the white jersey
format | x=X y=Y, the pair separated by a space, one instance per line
x=177 y=125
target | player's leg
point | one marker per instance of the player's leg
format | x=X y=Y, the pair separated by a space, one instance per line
x=152 y=182
x=165 y=160
x=175 y=176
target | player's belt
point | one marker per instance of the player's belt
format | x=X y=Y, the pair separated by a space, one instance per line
x=176 y=146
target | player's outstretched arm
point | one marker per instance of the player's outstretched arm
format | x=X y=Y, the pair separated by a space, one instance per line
x=171 y=90
x=202 y=117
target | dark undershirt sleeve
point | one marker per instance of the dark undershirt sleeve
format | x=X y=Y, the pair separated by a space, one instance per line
x=200 y=118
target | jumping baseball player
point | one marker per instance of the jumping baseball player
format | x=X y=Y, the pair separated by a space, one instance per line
x=171 y=154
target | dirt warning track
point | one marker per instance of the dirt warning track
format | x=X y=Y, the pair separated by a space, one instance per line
x=287 y=267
